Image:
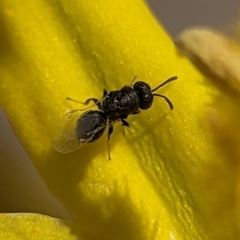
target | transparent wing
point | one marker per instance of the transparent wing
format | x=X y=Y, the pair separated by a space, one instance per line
x=64 y=134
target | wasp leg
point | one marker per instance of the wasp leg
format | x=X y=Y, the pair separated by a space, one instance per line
x=110 y=131
x=124 y=124
x=137 y=112
x=91 y=99
x=96 y=102
x=104 y=93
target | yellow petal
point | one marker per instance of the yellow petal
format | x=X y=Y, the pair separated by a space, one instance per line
x=157 y=184
x=219 y=58
x=33 y=226
x=219 y=55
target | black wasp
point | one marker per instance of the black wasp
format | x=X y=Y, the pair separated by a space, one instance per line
x=74 y=131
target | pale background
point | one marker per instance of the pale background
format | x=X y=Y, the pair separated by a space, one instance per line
x=177 y=15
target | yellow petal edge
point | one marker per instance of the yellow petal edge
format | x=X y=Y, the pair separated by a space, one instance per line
x=157 y=185
x=33 y=226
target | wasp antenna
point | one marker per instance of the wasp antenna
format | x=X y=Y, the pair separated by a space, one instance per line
x=166 y=99
x=134 y=79
x=164 y=83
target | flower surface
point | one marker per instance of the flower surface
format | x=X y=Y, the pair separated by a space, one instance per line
x=163 y=179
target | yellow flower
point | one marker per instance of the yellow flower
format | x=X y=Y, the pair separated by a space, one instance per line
x=163 y=180
x=33 y=226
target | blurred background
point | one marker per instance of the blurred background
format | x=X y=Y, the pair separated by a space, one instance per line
x=177 y=15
